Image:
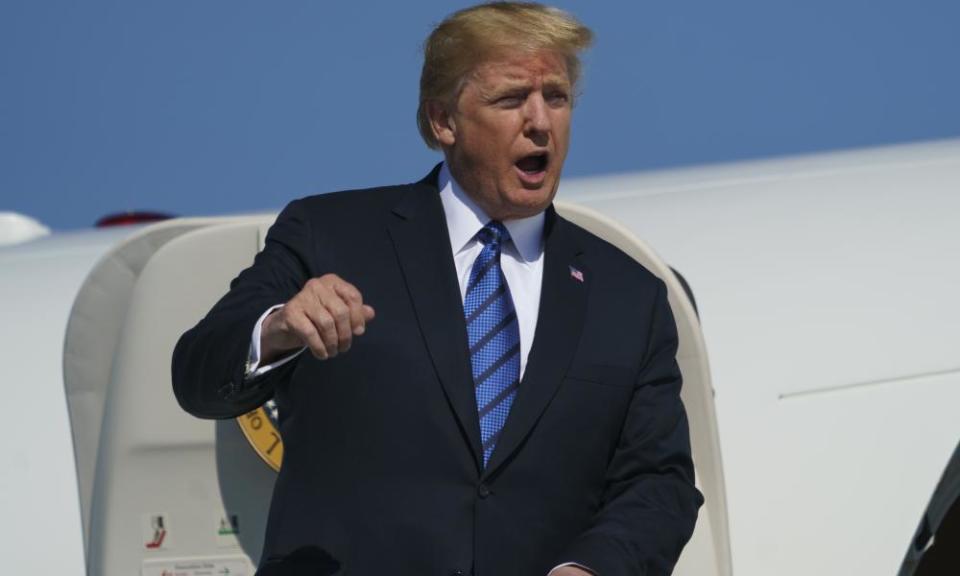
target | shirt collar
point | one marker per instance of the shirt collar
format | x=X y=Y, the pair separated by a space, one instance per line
x=465 y=219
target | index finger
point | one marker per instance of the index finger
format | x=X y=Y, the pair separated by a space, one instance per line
x=348 y=292
x=354 y=300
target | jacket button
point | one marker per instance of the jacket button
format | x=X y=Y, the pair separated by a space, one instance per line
x=483 y=491
x=457 y=573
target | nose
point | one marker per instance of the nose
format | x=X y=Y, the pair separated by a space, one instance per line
x=537 y=118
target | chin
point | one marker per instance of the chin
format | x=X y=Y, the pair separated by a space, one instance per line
x=525 y=209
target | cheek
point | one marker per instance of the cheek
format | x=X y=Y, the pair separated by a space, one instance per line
x=478 y=149
x=563 y=132
x=561 y=121
x=503 y=128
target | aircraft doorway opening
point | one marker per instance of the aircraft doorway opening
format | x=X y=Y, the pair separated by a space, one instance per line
x=935 y=549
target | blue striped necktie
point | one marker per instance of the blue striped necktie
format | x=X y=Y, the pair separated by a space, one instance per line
x=494 y=337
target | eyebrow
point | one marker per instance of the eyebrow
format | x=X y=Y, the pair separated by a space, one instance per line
x=509 y=86
x=556 y=82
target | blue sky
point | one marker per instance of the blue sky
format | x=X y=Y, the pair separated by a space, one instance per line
x=215 y=106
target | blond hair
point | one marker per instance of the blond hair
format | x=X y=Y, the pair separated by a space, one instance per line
x=479 y=33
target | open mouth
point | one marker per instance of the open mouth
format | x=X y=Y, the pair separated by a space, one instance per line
x=534 y=163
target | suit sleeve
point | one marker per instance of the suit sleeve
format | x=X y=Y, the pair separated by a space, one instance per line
x=209 y=361
x=650 y=501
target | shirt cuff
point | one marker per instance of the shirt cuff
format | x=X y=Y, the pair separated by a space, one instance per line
x=254 y=368
x=574 y=564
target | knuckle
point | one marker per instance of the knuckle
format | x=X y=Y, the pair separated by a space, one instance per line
x=304 y=331
x=355 y=295
x=340 y=311
x=326 y=322
x=319 y=288
x=294 y=324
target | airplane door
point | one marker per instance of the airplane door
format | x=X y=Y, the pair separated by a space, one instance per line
x=161 y=492
x=708 y=552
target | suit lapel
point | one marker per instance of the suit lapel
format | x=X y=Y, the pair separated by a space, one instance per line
x=422 y=244
x=563 y=303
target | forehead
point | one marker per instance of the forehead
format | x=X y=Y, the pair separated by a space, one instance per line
x=546 y=67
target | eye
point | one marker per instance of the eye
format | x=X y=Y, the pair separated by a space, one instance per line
x=509 y=101
x=557 y=98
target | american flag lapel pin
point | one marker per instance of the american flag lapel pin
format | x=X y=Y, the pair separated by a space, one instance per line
x=576 y=274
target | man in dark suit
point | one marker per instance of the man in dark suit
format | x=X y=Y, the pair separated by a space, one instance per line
x=514 y=406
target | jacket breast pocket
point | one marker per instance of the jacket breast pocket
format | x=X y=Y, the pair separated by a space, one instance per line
x=603 y=374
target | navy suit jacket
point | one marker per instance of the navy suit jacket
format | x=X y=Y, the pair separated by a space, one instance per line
x=382 y=461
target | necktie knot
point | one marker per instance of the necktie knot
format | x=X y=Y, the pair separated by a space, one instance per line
x=493 y=234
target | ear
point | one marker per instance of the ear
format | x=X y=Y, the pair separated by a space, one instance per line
x=442 y=123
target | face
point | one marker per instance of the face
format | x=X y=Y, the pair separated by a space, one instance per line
x=506 y=138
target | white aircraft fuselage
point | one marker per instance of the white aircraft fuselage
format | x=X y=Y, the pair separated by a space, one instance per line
x=823 y=375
